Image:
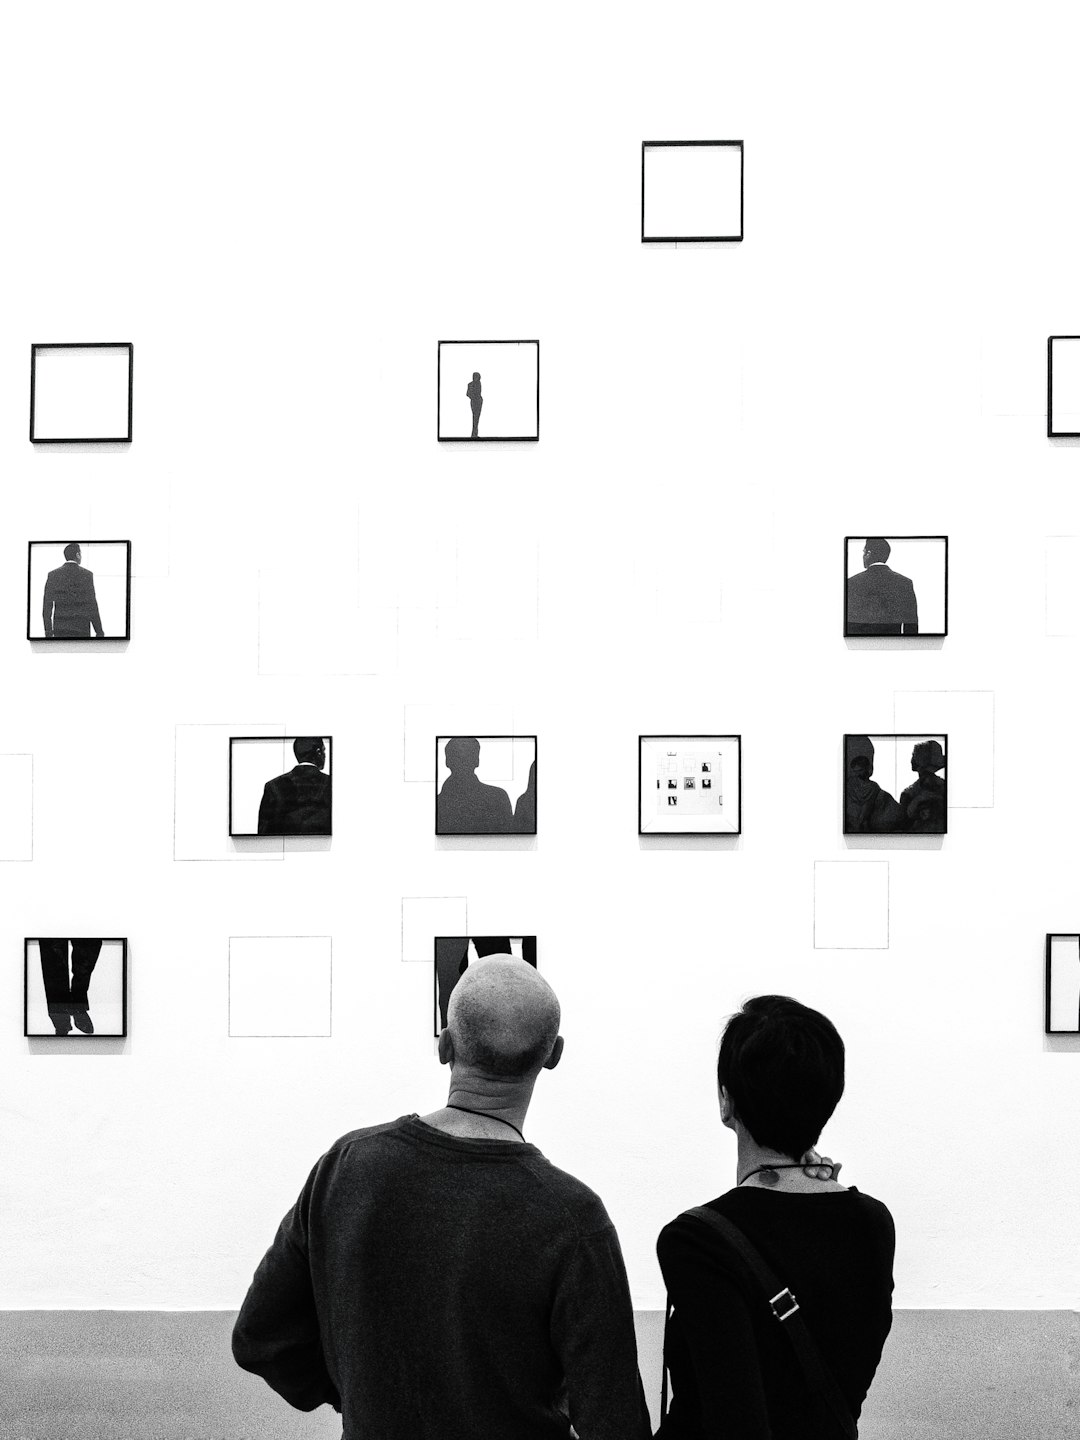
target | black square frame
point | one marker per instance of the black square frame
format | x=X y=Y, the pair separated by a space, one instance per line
x=483 y=439
x=922 y=634
x=84 y=345
x=694 y=239
x=1056 y=935
x=711 y=834
x=891 y=735
x=89 y=639
x=105 y=940
x=481 y=738
x=254 y=835
x=1050 y=431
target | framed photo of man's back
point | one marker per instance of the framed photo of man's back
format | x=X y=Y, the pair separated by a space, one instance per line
x=896 y=585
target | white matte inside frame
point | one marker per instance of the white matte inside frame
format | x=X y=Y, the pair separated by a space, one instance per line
x=105 y=993
x=81 y=392
x=254 y=762
x=1064 y=984
x=692 y=192
x=1065 y=385
x=504 y=760
x=106 y=561
x=508 y=371
x=280 y=985
x=922 y=560
x=706 y=799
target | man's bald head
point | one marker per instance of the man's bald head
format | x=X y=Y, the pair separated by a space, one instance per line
x=503 y=1017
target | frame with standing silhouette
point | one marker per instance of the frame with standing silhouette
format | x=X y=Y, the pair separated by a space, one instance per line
x=896 y=585
x=81 y=392
x=455 y=953
x=75 y=988
x=78 y=590
x=488 y=390
x=485 y=785
x=895 y=785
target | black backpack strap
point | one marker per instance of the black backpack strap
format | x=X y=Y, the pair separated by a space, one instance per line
x=784 y=1308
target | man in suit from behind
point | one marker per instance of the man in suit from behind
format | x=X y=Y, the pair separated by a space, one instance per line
x=70 y=608
x=880 y=601
x=298 y=803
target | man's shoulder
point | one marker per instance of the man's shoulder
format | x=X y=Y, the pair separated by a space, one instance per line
x=580 y=1205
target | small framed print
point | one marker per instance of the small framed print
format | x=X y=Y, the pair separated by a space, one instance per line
x=489 y=390
x=1063 y=984
x=1063 y=387
x=280 y=785
x=691 y=191
x=896 y=585
x=689 y=784
x=78 y=590
x=485 y=785
x=75 y=988
x=895 y=785
x=81 y=393
x=455 y=953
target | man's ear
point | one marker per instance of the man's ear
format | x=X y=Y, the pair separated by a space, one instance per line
x=446 y=1048
x=556 y=1054
x=727 y=1106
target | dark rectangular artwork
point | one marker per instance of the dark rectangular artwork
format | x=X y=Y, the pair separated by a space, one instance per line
x=489 y=390
x=895 y=785
x=1063 y=387
x=280 y=785
x=691 y=191
x=81 y=392
x=74 y=987
x=78 y=590
x=689 y=784
x=896 y=585
x=1062 y=985
x=455 y=953
x=485 y=785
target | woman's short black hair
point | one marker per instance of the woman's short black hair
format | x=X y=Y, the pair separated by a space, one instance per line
x=783 y=1066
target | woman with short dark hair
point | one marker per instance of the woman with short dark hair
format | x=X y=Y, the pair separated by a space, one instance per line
x=741 y=1367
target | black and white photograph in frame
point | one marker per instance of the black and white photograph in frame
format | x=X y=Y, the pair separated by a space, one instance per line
x=896 y=585
x=489 y=390
x=1062 y=985
x=78 y=590
x=1063 y=387
x=691 y=191
x=280 y=785
x=485 y=785
x=455 y=953
x=895 y=785
x=81 y=393
x=689 y=784
x=75 y=987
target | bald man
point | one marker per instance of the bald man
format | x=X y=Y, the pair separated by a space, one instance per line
x=438 y=1278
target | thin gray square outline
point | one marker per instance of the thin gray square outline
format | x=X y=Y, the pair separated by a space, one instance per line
x=463 y=898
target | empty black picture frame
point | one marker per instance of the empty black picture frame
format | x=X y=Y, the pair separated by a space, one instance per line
x=36 y=349
x=1052 y=433
x=488 y=813
x=69 y=1004
x=887 y=814
x=451 y=960
x=78 y=625
x=527 y=394
x=1073 y=959
x=680 y=790
x=315 y=804
x=703 y=239
x=893 y=627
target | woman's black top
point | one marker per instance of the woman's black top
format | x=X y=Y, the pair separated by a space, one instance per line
x=733 y=1372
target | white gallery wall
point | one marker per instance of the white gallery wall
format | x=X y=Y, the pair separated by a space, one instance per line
x=285 y=211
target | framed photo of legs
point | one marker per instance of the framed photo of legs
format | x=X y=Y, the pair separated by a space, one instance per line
x=74 y=987
x=455 y=953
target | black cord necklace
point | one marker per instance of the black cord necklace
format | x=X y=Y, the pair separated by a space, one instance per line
x=485 y=1116
x=793 y=1165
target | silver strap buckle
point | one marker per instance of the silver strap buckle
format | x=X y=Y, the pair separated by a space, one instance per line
x=784 y=1301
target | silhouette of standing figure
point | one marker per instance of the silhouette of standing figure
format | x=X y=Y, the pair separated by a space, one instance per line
x=68 y=999
x=298 y=803
x=465 y=805
x=476 y=400
x=70 y=607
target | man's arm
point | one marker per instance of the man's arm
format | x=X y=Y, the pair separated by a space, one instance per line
x=592 y=1329
x=268 y=811
x=911 y=611
x=95 y=613
x=47 y=608
x=277 y=1331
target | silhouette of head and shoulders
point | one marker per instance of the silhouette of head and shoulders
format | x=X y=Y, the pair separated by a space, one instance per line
x=880 y=601
x=465 y=804
x=298 y=802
